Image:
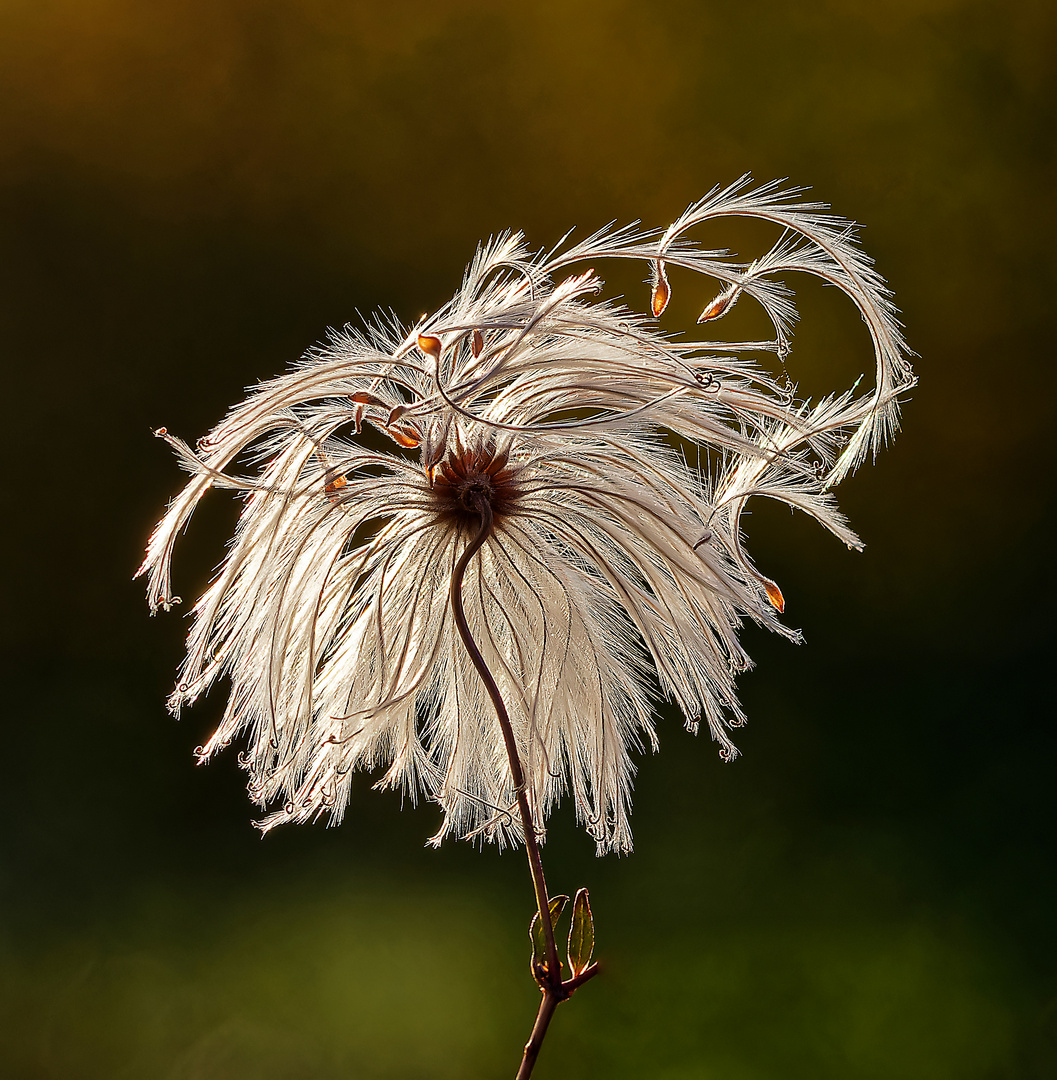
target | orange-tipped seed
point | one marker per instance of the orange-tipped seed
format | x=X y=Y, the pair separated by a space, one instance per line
x=774 y=594
x=334 y=487
x=361 y=397
x=477 y=343
x=403 y=437
x=720 y=306
x=662 y=291
x=430 y=345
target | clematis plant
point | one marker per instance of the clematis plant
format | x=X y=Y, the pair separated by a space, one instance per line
x=488 y=608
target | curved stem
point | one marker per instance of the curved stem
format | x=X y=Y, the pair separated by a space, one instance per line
x=554 y=990
x=554 y=978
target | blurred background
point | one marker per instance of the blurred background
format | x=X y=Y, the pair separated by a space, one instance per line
x=190 y=194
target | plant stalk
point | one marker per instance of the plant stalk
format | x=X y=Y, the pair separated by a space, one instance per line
x=553 y=989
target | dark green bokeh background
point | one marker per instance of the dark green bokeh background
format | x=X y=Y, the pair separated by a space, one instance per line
x=190 y=193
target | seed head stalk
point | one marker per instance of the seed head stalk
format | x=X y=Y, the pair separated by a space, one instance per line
x=553 y=988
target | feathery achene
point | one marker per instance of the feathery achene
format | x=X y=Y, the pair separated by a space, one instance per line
x=608 y=556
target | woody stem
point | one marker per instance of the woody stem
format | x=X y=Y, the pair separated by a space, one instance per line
x=553 y=988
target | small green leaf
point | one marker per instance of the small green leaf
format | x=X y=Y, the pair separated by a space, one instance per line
x=581 y=934
x=539 y=939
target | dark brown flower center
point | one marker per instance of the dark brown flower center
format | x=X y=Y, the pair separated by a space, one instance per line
x=468 y=481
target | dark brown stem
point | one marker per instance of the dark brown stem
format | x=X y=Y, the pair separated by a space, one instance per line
x=551 y=985
x=551 y=1000
x=539 y=1030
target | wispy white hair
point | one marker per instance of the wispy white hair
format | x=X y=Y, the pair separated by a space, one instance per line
x=622 y=459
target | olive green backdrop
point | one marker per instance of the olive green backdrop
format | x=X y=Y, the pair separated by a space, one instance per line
x=190 y=193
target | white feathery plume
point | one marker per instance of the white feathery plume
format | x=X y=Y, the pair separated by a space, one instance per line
x=610 y=562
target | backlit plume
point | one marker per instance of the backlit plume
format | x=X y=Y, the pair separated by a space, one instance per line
x=614 y=461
